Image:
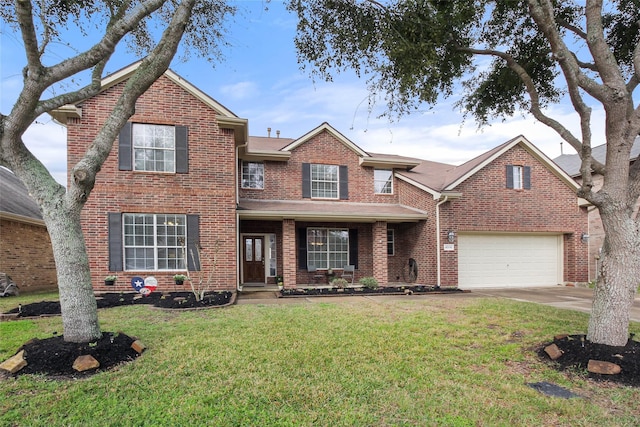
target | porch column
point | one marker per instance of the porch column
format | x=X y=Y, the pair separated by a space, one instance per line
x=380 y=266
x=289 y=253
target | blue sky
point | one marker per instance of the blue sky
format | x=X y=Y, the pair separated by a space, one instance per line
x=260 y=80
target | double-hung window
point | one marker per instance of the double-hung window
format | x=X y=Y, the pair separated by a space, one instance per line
x=328 y=247
x=154 y=148
x=154 y=241
x=383 y=181
x=253 y=175
x=324 y=181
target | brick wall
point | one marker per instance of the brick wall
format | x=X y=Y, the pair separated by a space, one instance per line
x=26 y=256
x=283 y=180
x=549 y=206
x=207 y=190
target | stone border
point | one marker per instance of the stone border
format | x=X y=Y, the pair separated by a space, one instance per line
x=232 y=301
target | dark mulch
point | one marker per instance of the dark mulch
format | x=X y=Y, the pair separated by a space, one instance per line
x=383 y=290
x=53 y=357
x=578 y=351
x=170 y=300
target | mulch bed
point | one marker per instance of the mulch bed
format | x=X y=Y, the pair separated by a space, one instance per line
x=385 y=290
x=577 y=352
x=170 y=300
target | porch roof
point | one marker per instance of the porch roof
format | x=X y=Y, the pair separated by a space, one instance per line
x=313 y=210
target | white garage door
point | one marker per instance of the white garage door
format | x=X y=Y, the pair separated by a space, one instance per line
x=509 y=260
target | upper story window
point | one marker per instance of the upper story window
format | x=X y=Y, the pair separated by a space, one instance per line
x=324 y=181
x=253 y=175
x=154 y=241
x=519 y=177
x=153 y=148
x=383 y=181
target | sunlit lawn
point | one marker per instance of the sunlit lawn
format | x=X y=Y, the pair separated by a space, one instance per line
x=434 y=361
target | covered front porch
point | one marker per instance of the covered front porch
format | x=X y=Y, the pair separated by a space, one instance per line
x=307 y=244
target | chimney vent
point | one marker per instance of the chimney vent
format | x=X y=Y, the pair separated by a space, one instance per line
x=277 y=134
x=268 y=132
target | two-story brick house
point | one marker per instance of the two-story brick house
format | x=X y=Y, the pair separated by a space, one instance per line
x=185 y=174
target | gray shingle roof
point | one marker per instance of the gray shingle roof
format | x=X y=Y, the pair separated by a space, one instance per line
x=570 y=163
x=14 y=197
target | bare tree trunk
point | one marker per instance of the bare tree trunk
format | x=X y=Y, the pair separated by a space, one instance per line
x=615 y=291
x=77 y=300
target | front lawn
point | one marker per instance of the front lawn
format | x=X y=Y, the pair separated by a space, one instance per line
x=435 y=361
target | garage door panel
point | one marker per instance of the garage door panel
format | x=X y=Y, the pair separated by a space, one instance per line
x=486 y=260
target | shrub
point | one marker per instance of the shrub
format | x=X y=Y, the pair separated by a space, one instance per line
x=369 y=282
x=339 y=282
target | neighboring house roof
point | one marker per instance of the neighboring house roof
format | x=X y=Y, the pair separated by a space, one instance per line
x=15 y=202
x=441 y=179
x=226 y=118
x=310 y=210
x=571 y=163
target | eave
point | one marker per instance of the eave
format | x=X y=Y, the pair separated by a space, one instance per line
x=386 y=163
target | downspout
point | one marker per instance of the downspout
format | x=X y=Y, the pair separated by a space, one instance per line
x=238 y=254
x=438 y=268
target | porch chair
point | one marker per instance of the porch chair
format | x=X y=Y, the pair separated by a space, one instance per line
x=317 y=277
x=348 y=272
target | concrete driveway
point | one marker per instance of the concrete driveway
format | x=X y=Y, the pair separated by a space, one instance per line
x=566 y=297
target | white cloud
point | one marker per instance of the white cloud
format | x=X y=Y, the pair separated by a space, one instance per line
x=241 y=90
x=47 y=140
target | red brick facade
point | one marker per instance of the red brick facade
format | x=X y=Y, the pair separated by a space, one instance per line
x=26 y=255
x=212 y=190
x=207 y=190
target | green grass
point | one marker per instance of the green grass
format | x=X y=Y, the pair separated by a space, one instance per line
x=415 y=362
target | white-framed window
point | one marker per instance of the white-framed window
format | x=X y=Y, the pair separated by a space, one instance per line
x=517 y=177
x=253 y=175
x=154 y=147
x=391 y=242
x=328 y=247
x=154 y=241
x=324 y=181
x=383 y=181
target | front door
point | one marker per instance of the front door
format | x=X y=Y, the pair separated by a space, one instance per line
x=253 y=259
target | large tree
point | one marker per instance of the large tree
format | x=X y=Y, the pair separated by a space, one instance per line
x=540 y=52
x=154 y=29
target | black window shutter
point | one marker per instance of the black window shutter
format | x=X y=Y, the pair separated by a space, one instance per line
x=509 y=176
x=306 y=180
x=526 y=177
x=125 y=150
x=193 y=242
x=182 y=150
x=353 y=247
x=344 y=183
x=115 y=242
x=302 y=248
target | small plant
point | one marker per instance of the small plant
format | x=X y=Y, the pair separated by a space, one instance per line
x=369 y=282
x=110 y=278
x=339 y=283
x=179 y=279
x=279 y=280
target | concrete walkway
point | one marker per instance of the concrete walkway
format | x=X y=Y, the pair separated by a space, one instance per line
x=565 y=297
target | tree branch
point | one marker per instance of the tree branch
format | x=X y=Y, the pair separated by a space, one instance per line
x=24 y=14
x=569 y=26
x=150 y=69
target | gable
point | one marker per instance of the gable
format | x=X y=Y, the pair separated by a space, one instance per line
x=472 y=167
